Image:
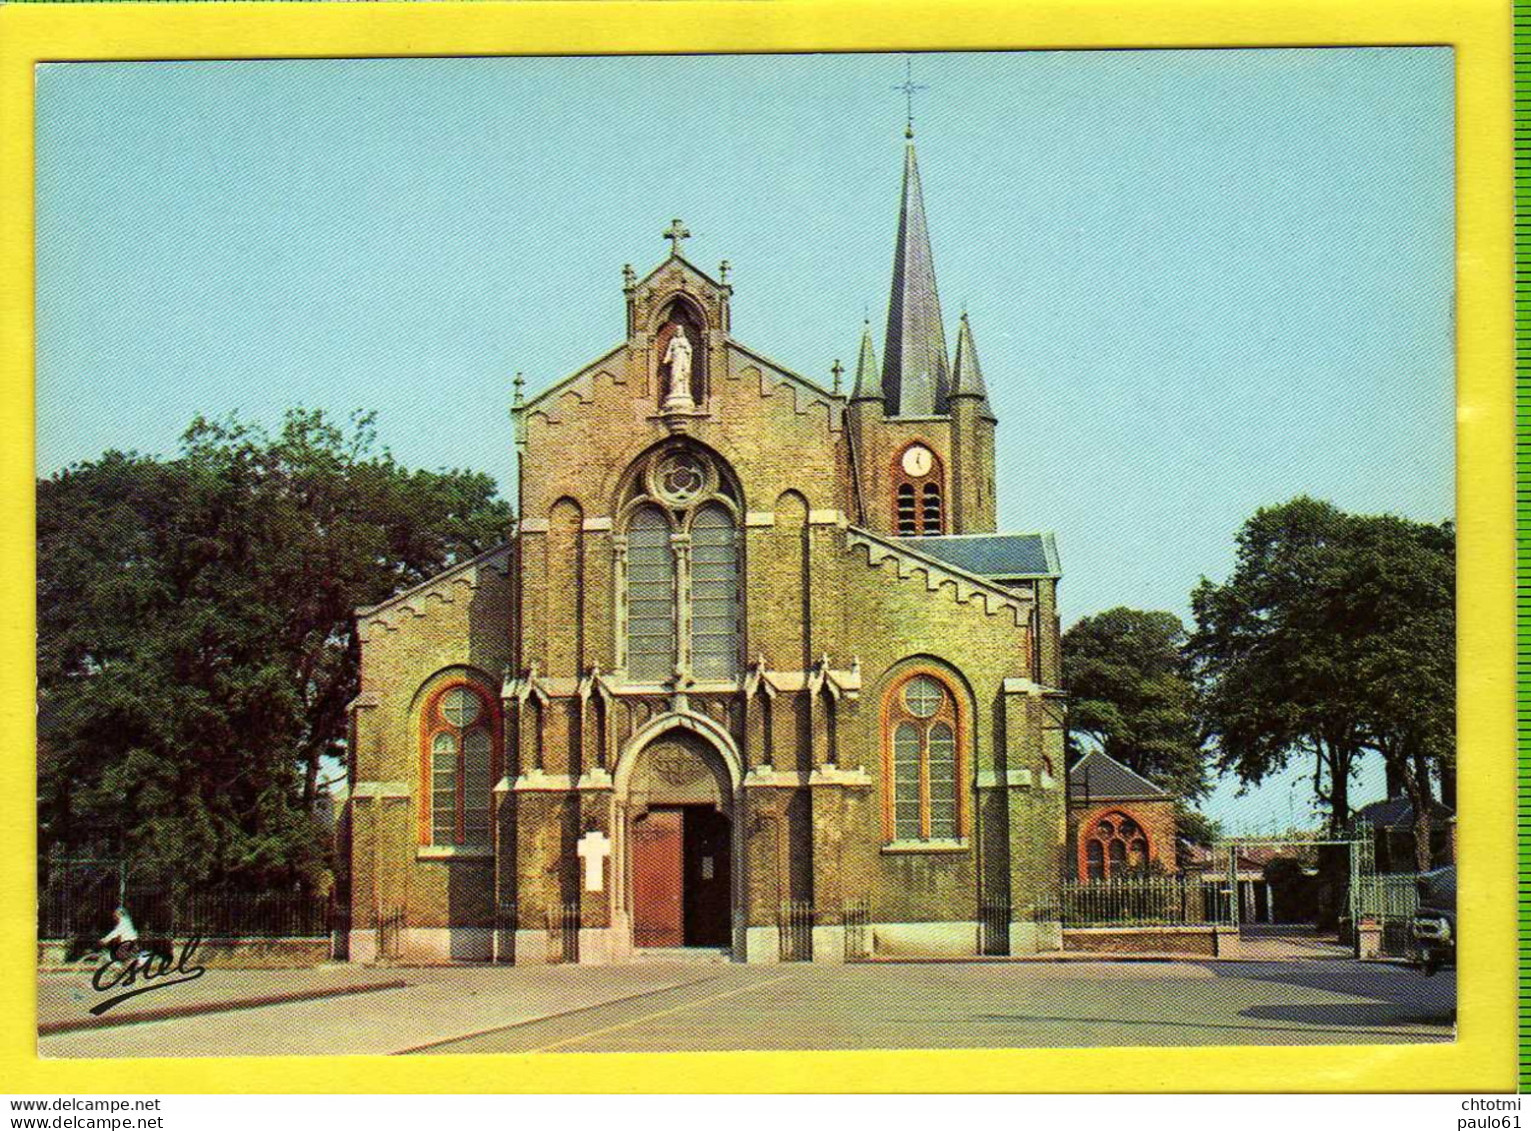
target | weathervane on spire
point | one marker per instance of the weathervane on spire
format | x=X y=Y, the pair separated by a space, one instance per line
x=907 y=89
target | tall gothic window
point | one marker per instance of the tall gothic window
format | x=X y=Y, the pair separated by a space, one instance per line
x=682 y=594
x=650 y=597
x=714 y=594
x=924 y=775
x=460 y=741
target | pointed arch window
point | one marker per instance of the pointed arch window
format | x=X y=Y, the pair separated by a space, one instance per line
x=930 y=509
x=918 y=500
x=923 y=764
x=908 y=515
x=461 y=754
x=714 y=594
x=650 y=596
x=1115 y=845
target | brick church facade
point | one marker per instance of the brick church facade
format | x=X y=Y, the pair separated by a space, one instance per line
x=754 y=662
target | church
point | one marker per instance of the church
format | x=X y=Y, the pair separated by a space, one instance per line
x=753 y=678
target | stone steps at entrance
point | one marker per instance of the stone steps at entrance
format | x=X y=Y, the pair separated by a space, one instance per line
x=690 y=955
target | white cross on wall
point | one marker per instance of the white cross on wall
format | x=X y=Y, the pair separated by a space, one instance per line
x=593 y=849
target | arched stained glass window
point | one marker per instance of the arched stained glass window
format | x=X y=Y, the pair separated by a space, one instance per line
x=650 y=597
x=943 y=783
x=714 y=594
x=460 y=742
x=477 y=784
x=924 y=762
x=443 y=788
x=1096 y=859
x=906 y=782
x=1115 y=845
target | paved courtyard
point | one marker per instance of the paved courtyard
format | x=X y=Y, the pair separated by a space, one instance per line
x=676 y=1007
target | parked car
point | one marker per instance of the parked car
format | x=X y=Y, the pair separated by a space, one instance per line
x=1435 y=920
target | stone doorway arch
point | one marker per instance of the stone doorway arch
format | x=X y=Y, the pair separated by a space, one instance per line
x=678 y=844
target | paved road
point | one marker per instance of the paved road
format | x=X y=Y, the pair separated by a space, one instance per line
x=683 y=1008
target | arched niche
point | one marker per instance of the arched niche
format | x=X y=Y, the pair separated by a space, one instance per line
x=681 y=315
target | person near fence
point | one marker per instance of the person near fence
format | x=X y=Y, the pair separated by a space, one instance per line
x=122 y=939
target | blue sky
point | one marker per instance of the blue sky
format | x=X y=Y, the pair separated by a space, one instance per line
x=1200 y=282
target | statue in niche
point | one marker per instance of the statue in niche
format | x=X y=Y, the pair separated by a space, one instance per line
x=677 y=357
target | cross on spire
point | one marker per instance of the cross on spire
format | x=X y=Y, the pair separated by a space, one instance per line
x=677 y=232
x=907 y=88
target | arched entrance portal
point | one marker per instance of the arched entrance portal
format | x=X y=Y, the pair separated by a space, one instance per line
x=678 y=801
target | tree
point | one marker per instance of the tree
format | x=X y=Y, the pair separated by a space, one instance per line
x=196 y=650
x=1333 y=637
x=1273 y=661
x=1131 y=695
x=1401 y=588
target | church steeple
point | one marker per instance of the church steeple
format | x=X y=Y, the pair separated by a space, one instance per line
x=866 y=387
x=915 y=378
x=967 y=378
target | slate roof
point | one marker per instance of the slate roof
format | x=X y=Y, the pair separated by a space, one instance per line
x=967 y=377
x=1398 y=813
x=1098 y=776
x=915 y=377
x=992 y=555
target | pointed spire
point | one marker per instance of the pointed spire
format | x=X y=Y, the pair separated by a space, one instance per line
x=868 y=381
x=967 y=377
x=915 y=378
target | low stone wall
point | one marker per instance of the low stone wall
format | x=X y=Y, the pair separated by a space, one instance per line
x=230 y=954
x=924 y=940
x=1195 y=941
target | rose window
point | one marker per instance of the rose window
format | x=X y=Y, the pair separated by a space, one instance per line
x=680 y=478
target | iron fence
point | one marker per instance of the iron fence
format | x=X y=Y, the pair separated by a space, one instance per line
x=794 y=931
x=994 y=928
x=563 y=932
x=1387 y=896
x=390 y=935
x=1390 y=898
x=858 y=930
x=1145 y=901
x=507 y=920
x=67 y=910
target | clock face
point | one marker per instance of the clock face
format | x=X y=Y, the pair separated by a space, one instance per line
x=918 y=460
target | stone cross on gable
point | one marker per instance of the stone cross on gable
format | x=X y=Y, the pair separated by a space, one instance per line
x=677 y=232
x=593 y=849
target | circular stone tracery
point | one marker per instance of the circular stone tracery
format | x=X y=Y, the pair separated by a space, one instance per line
x=922 y=696
x=680 y=478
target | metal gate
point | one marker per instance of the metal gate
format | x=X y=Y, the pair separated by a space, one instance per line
x=1237 y=893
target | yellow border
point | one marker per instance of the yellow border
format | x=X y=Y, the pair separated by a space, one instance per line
x=1484 y=1056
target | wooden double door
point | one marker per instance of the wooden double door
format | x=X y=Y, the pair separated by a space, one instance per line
x=681 y=877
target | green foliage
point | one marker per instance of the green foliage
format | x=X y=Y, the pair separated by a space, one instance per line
x=196 y=650
x=1131 y=695
x=1334 y=636
x=1195 y=827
